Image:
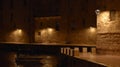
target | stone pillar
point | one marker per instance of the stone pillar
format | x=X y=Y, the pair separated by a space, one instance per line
x=62 y=50
x=93 y=50
x=76 y=51
x=71 y=52
x=68 y=50
x=84 y=49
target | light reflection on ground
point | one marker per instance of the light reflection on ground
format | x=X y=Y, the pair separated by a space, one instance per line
x=45 y=61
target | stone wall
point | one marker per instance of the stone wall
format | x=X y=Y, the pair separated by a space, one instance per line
x=108 y=43
x=75 y=24
x=49 y=30
x=16 y=22
x=108 y=33
x=53 y=30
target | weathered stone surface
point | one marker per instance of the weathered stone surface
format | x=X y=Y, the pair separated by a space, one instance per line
x=108 y=33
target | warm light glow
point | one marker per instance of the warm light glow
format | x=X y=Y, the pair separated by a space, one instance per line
x=16 y=36
x=103 y=22
x=48 y=57
x=104 y=17
x=18 y=32
x=43 y=31
x=50 y=29
x=47 y=31
x=92 y=29
x=46 y=34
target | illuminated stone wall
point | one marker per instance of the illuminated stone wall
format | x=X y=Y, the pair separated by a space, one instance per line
x=108 y=32
x=77 y=24
x=75 y=27
x=16 y=22
x=79 y=20
x=49 y=30
x=53 y=30
x=17 y=36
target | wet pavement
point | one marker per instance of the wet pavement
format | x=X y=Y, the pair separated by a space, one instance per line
x=10 y=59
x=38 y=61
x=107 y=60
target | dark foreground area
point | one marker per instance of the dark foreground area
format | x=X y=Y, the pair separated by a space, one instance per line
x=10 y=60
x=39 y=56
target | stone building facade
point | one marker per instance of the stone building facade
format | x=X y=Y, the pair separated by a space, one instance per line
x=73 y=22
x=108 y=32
x=16 y=21
x=76 y=23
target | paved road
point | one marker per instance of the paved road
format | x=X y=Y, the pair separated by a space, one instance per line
x=107 y=60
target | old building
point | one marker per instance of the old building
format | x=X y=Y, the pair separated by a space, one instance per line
x=61 y=21
x=16 y=21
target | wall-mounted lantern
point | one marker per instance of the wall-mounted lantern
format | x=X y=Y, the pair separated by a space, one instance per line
x=97 y=11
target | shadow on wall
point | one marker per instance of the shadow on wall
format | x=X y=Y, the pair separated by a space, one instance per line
x=84 y=36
